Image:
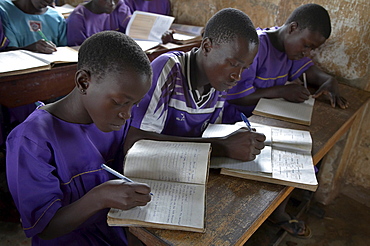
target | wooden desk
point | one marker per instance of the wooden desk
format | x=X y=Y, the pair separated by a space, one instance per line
x=18 y=90
x=237 y=207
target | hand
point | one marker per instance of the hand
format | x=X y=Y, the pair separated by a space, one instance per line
x=122 y=195
x=330 y=88
x=167 y=37
x=243 y=144
x=42 y=46
x=295 y=93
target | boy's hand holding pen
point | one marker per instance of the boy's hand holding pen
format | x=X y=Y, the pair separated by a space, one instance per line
x=48 y=47
x=118 y=175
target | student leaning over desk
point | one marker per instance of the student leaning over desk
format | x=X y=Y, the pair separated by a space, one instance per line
x=23 y=18
x=188 y=89
x=54 y=157
x=95 y=16
x=283 y=56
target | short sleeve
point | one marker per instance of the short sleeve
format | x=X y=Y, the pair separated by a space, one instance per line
x=35 y=190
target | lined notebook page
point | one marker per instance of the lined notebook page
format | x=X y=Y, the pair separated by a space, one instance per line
x=168 y=161
x=279 y=108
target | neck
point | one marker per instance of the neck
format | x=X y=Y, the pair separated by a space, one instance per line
x=277 y=38
x=70 y=109
x=93 y=7
x=199 y=79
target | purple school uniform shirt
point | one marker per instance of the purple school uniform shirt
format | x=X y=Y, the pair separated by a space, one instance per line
x=162 y=7
x=172 y=106
x=82 y=23
x=270 y=67
x=52 y=163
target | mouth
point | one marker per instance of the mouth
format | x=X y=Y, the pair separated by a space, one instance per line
x=116 y=127
x=230 y=85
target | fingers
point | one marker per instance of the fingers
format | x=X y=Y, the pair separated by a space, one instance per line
x=342 y=102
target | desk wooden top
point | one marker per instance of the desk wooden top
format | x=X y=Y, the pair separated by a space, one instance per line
x=235 y=207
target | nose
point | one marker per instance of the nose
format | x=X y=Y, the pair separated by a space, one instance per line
x=306 y=52
x=125 y=114
x=236 y=76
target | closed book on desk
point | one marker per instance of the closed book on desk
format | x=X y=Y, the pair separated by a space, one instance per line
x=286 y=159
x=23 y=61
x=177 y=173
x=278 y=108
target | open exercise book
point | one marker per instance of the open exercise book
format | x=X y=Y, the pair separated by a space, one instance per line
x=23 y=61
x=278 y=108
x=286 y=159
x=147 y=28
x=177 y=173
x=185 y=34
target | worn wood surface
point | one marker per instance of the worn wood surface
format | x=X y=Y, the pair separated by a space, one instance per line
x=18 y=90
x=328 y=124
x=237 y=207
x=234 y=206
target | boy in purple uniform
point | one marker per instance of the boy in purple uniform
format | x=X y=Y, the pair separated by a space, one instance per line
x=162 y=7
x=283 y=57
x=188 y=90
x=54 y=157
x=95 y=16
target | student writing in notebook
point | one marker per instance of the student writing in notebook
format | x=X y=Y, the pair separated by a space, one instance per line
x=95 y=16
x=162 y=7
x=23 y=18
x=54 y=157
x=283 y=57
x=188 y=90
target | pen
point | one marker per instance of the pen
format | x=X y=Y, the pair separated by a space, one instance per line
x=246 y=121
x=117 y=174
x=304 y=80
x=42 y=35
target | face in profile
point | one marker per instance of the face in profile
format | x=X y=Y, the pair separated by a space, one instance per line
x=106 y=6
x=226 y=61
x=109 y=100
x=299 y=43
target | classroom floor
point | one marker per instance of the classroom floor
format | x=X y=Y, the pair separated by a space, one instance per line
x=345 y=222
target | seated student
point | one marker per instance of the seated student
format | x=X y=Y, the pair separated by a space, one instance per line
x=188 y=90
x=283 y=57
x=95 y=16
x=54 y=156
x=4 y=41
x=162 y=7
x=23 y=18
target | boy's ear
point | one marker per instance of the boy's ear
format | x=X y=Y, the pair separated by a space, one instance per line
x=206 y=45
x=82 y=80
x=293 y=26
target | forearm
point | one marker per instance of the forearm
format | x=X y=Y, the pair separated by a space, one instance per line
x=252 y=99
x=316 y=77
x=68 y=218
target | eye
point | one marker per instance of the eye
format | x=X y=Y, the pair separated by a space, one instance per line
x=233 y=64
